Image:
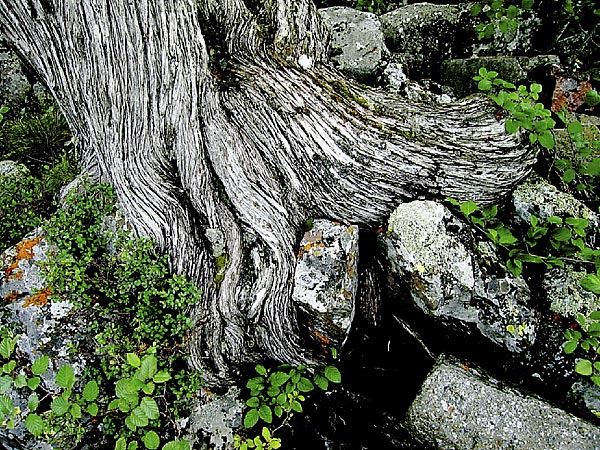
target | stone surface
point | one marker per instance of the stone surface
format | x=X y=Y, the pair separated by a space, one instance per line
x=10 y=168
x=218 y=418
x=14 y=86
x=357 y=41
x=429 y=251
x=426 y=34
x=459 y=73
x=396 y=80
x=326 y=280
x=566 y=296
x=461 y=408
x=44 y=327
x=538 y=197
x=513 y=42
x=585 y=395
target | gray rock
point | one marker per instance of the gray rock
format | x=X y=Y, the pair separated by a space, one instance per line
x=428 y=250
x=12 y=169
x=357 y=36
x=564 y=147
x=396 y=80
x=513 y=42
x=567 y=297
x=538 y=197
x=218 y=418
x=45 y=326
x=585 y=395
x=426 y=34
x=326 y=280
x=459 y=73
x=462 y=408
x=14 y=86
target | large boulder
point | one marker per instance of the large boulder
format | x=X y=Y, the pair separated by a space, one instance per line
x=426 y=34
x=326 y=280
x=357 y=41
x=429 y=251
x=459 y=407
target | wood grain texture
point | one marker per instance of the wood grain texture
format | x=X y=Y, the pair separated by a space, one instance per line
x=200 y=116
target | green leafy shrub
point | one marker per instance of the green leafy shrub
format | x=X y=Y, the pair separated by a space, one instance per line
x=278 y=394
x=522 y=105
x=498 y=16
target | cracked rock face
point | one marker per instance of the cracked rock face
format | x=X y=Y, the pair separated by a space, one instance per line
x=429 y=252
x=358 y=40
x=326 y=280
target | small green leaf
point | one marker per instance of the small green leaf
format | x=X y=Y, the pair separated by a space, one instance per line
x=75 y=411
x=34 y=424
x=121 y=444
x=9 y=366
x=92 y=409
x=150 y=408
x=561 y=234
x=253 y=402
x=7 y=346
x=468 y=208
x=296 y=406
x=133 y=360
x=278 y=378
x=148 y=367
x=304 y=385
x=321 y=381
x=177 y=445
x=511 y=126
x=33 y=402
x=149 y=388
x=139 y=417
x=5 y=384
x=161 y=377
x=591 y=282
x=33 y=383
x=265 y=413
x=65 y=377
x=594 y=315
x=90 y=391
x=20 y=381
x=6 y=404
x=40 y=365
x=60 y=406
x=584 y=367
x=569 y=176
x=151 y=440
x=260 y=370
x=251 y=418
x=570 y=347
x=575 y=127
x=546 y=139
x=333 y=374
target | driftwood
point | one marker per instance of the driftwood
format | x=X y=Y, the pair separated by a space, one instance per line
x=224 y=115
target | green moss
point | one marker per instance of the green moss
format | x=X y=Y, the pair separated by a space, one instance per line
x=221 y=263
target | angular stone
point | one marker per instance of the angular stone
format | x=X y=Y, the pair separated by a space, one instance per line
x=326 y=280
x=429 y=251
x=566 y=295
x=462 y=408
x=359 y=41
x=425 y=34
x=10 y=168
x=459 y=73
x=538 y=197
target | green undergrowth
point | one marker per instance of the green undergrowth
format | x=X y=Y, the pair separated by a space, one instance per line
x=545 y=243
x=37 y=140
x=138 y=312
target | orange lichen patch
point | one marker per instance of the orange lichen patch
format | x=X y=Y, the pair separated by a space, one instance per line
x=17 y=275
x=40 y=298
x=12 y=296
x=24 y=252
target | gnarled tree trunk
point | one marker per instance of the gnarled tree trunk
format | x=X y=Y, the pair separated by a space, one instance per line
x=222 y=115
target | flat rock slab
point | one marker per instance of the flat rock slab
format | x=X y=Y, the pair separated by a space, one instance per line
x=461 y=408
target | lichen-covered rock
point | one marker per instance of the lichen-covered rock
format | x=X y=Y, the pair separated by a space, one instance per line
x=538 y=197
x=426 y=34
x=566 y=295
x=326 y=280
x=14 y=86
x=459 y=73
x=517 y=41
x=358 y=40
x=429 y=251
x=44 y=326
x=12 y=169
x=216 y=417
x=585 y=396
x=459 y=407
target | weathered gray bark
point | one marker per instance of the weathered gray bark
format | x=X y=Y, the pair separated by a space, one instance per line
x=223 y=114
